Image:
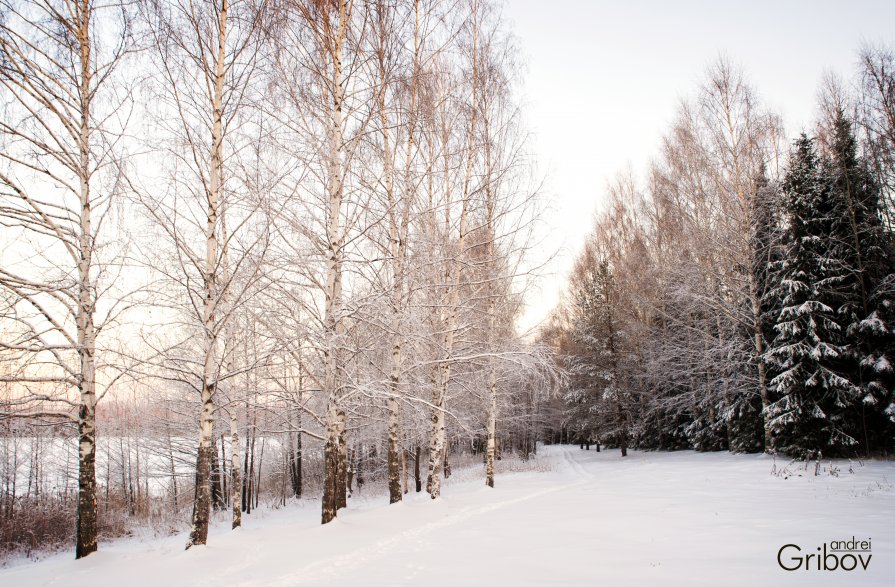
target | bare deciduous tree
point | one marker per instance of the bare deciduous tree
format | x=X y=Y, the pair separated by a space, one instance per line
x=209 y=62
x=64 y=114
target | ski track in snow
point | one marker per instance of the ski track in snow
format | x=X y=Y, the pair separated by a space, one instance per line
x=334 y=566
x=330 y=568
x=650 y=519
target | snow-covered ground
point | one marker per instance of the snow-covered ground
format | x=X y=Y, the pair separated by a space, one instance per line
x=595 y=519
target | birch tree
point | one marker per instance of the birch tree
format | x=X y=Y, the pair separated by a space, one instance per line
x=327 y=106
x=65 y=112
x=397 y=76
x=453 y=264
x=209 y=59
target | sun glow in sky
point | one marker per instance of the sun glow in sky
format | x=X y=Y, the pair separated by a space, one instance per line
x=604 y=78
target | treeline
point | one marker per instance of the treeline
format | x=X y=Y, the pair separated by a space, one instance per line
x=741 y=297
x=291 y=232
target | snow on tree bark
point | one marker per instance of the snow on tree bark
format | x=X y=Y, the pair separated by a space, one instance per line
x=202 y=501
x=86 y=530
x=437 y=445
x=235 y=481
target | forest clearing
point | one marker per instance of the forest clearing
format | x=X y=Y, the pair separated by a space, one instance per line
x=583 y=518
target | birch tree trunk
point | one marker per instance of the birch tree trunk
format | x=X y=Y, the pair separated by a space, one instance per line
x=50 y=159
x=330 y=461
x=418 y=480
x=86 y=531
x=202 y=501
x=235 y=482
x=334 y=451
x=396 y=246
x=452 y=277
x=404 y=469
x=492 y=406
x=491 y=268
x=294 y=453
x=399 y=224
x=342 y=481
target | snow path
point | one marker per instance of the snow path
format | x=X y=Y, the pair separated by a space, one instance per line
x=649 y=519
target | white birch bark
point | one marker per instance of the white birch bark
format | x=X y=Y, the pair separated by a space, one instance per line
x=86 y=529
x=202 y=501
x=399 y=233
x=453 y=275
x=50 y=162
x=235 y=481
x=333 y=325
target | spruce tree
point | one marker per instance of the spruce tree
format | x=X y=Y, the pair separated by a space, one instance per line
x=764 y=245
x=865 y=300
x=808 y=417
x=615 y=405
x=583 y=355
x=877 y=334
x=599 y=404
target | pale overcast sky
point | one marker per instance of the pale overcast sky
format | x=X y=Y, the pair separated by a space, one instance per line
x=604 y=78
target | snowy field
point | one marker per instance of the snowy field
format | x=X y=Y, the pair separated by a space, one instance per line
x=594 y=519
